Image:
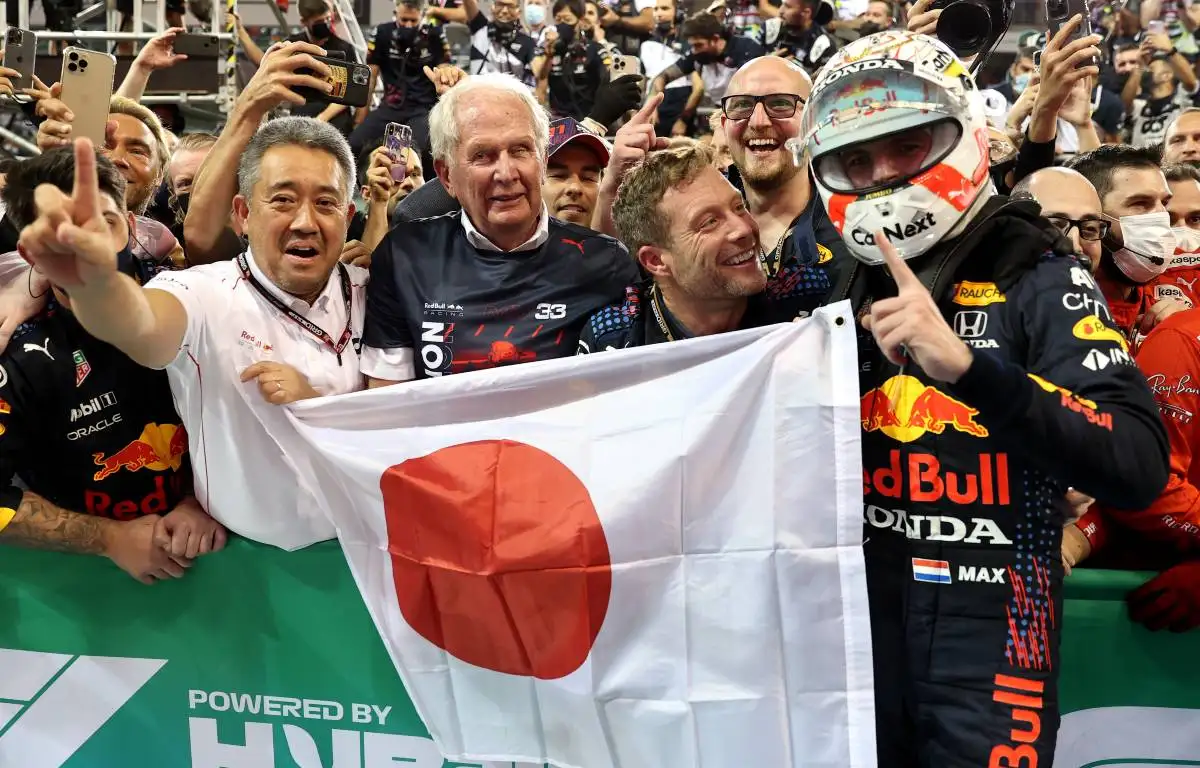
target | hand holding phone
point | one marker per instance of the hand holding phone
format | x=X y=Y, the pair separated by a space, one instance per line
x=20 y=52
x=87 y=86
x=350 y=80
x=397 y=140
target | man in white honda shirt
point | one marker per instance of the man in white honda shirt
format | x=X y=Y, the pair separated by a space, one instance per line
x=682 y=95
x=239 y=338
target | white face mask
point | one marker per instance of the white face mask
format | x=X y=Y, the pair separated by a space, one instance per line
x=1187 y=240
x=1149 y=246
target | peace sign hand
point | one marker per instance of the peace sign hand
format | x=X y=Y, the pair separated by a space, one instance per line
x=69 y=241
x=911 y=325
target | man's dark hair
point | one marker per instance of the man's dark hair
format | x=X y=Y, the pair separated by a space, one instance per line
x=1099 y=165
x=56 y=167
x=702 y=25
x=576 y=7
x=416 y=5
x=1181 y=172
x=311 y=8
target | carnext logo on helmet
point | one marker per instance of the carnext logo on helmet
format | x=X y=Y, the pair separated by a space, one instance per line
x=898 y=232
x=862 y=66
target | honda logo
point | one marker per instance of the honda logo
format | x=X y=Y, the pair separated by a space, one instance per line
x=970 y=324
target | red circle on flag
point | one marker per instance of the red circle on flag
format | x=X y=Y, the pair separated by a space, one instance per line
x=498 y=556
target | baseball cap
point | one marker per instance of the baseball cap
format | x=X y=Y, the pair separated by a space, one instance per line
x=567 y=130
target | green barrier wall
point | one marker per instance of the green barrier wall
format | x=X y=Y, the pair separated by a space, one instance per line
x=284 y=638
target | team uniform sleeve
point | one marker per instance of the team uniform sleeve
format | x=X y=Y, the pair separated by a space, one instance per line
x=13 y=445
x=1171 y=361
x=686 y=64
x=387 y=340
x=477 y=22
x=374 y=51
x=1094 y=430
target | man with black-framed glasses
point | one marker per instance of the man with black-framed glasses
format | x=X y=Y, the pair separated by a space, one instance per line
x=760 y=113
x=1070 y=203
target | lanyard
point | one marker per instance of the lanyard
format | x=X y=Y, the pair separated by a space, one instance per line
x=299 y=319
x=659 y=314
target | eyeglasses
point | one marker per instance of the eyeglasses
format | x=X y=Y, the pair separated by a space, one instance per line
x=780 y=106
x=1089 y=229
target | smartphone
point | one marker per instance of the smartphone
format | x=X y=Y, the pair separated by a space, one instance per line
x=197 y=46
x=87 y=86
x=623 y=65
x=351 y=82
x=1037 y=59
x=1156 y=27
x=1059 y=12
x=20 y=51
x=397 y=139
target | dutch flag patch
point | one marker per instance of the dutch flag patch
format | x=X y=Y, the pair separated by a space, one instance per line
x=933 y=571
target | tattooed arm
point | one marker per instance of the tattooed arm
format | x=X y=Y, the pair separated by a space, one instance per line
x=39 y=524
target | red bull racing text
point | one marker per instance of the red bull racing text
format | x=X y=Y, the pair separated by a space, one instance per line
x=919 y=477
x=1025 y=698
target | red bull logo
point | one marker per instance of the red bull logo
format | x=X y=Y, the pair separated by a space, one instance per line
x=860 y=87
x=1073 y=402
x=4 y=408
x=921 y=478
x=904 y=409
x=1025 y=698
x=159 y=448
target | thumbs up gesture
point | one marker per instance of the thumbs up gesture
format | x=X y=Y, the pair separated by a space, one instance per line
x=911 y=325
x=70 y=242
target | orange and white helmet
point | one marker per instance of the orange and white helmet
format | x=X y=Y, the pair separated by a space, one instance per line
x=897 y=135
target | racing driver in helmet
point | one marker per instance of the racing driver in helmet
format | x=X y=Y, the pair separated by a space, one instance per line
x=991 y=379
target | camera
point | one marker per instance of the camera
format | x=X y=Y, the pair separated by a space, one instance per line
x=971 y=26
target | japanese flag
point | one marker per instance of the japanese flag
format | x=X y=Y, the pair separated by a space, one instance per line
x=648 y=558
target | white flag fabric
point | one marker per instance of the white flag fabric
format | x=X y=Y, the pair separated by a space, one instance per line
x=648 y=558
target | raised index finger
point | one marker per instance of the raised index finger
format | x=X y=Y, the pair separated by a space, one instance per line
x=86 y=194
x=648 y=109
x=904 y=276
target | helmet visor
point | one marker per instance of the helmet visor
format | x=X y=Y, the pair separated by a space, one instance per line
x=889 y=160
x=866 y=104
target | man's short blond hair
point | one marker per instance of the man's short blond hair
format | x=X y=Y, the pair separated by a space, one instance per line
x=637 y=210
x=119 y=105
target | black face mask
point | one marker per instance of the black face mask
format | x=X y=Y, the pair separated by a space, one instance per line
x=566 y=36
x=588 y=34
x=1112 y=80
x=406 y=36
x=708 y=57
x=320 y=31
x=505 y=31
x=663 y=28
x=869 y=28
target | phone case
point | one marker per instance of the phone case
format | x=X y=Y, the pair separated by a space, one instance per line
x=20 y=51
x=623 y=65
x=351 y=83
x=397 y=137
x=197 y=45
x=1059 y=12
x=87 y=86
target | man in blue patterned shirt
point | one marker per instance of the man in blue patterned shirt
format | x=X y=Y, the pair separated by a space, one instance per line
x=689 y=230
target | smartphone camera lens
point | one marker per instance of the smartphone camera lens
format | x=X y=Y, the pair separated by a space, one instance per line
x=82 y=65
x=73 y=56
x=71 y=67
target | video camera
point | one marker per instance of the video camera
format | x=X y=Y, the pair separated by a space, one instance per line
x=970 y=27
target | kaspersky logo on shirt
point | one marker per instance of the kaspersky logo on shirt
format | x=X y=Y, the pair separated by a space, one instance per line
x=52 y=703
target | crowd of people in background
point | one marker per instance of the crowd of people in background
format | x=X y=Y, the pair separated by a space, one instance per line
x=598 y=176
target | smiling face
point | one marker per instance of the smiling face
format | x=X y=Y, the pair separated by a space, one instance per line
x=757 y=143
x=713 y=250
x=134 y=155
x=296 y=218
x=495 y=172
x=572 y=183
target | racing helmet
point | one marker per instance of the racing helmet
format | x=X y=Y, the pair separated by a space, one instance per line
x=897 y=135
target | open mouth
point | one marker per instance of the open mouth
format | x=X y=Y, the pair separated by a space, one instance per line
x=571 y=208
x=749 y=256
x=302 y=251
x=763 y=145
x=507 y=199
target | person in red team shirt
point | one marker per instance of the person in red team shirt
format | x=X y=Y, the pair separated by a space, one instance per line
x=1165 y=535
x=1180 y=280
